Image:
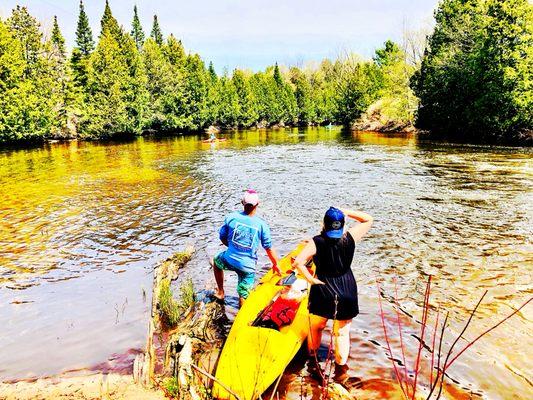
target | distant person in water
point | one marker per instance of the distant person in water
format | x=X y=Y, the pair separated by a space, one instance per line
x=212 y=137
x=243 y=232
x=333 y=292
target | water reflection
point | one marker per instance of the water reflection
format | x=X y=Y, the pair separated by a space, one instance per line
x=82 y=224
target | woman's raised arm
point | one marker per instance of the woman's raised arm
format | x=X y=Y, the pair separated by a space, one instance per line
x=359 y=230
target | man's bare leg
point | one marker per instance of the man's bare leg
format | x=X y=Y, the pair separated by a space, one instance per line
x=219 y=278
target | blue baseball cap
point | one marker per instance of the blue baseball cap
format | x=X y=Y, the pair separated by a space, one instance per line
x=334 y=223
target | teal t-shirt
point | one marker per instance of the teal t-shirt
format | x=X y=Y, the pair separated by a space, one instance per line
x=244 y=234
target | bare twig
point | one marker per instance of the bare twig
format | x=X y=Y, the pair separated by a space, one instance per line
x=423 y=330
x=484 y=333
x=387 y=340
x=455 y=342
x=406 y=376
x=439 y=354
x=433 y=349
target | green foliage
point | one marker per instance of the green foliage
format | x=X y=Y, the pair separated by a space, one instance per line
x=58 y=41
x=84 y=35
x=109 y=24
x=84 y=47
x=128 y=85
x=246 y=101
x=171 y=311
x=303 y=93
x=397 y=102
x=156 y=33
x=30 y=83
x=475 y=78
x=137 y=31
x=172 y=386
x=474 y=81
x=168 y=308
x=16 y=97
x=117 y=98
x=356 y=85
x=26 y=29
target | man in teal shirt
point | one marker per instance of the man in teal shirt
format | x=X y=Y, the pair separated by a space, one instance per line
x=243 y=232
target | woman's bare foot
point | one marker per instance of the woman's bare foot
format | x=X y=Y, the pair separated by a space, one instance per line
x=219 y=295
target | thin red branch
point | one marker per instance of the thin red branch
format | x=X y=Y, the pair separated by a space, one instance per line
x=406 y=376
x=455 y=342
x=422 y=332
x=484 y=333
x=433 y=349
x=398 y=377
x=439 y=354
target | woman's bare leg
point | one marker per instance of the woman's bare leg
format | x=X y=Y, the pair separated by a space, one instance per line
x=341 y=334
x=317 y=325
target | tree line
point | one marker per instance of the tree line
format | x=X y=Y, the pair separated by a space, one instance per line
x=473 y=80
x=131 y=82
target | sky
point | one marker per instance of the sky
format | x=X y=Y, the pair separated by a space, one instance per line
x=252 y=33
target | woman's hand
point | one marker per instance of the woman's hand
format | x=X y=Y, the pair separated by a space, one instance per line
x=316 y=281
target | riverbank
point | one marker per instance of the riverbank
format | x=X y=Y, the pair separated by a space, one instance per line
x=85 y=387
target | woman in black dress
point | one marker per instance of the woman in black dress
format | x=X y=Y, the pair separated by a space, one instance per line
x=334 y=290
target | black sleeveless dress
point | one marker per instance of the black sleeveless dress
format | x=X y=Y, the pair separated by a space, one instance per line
x=333 y=259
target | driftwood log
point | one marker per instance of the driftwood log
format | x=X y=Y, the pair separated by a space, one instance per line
x=185 y=348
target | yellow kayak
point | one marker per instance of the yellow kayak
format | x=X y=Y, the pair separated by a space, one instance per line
x=257 y=349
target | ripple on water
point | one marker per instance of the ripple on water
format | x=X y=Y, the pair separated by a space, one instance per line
x=82 y=225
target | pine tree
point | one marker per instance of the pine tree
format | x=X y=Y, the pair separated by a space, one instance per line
x=58 y=41
x=212 y=73
x=37 y=88
x=83 y=49
x=156 y=33
x=247 y=108
x=306 y=113
x=84 y=35
x=17 y=100
x=26 y=29
x=109 y=23
x=176 y=99
x=227 y=102
x=174 y=51
x=196 y=87
x=158 y=83
x=277 y=75
x=137 y=31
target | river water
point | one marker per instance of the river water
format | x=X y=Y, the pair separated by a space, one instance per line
x=82 y=224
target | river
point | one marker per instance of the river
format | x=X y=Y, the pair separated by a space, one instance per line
x=83 y=223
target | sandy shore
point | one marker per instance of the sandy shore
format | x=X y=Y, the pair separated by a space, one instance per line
x=86 y=387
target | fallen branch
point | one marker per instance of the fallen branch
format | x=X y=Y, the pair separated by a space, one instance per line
x=208 y=375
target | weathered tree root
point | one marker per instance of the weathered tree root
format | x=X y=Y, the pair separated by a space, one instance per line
x=167 y=271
